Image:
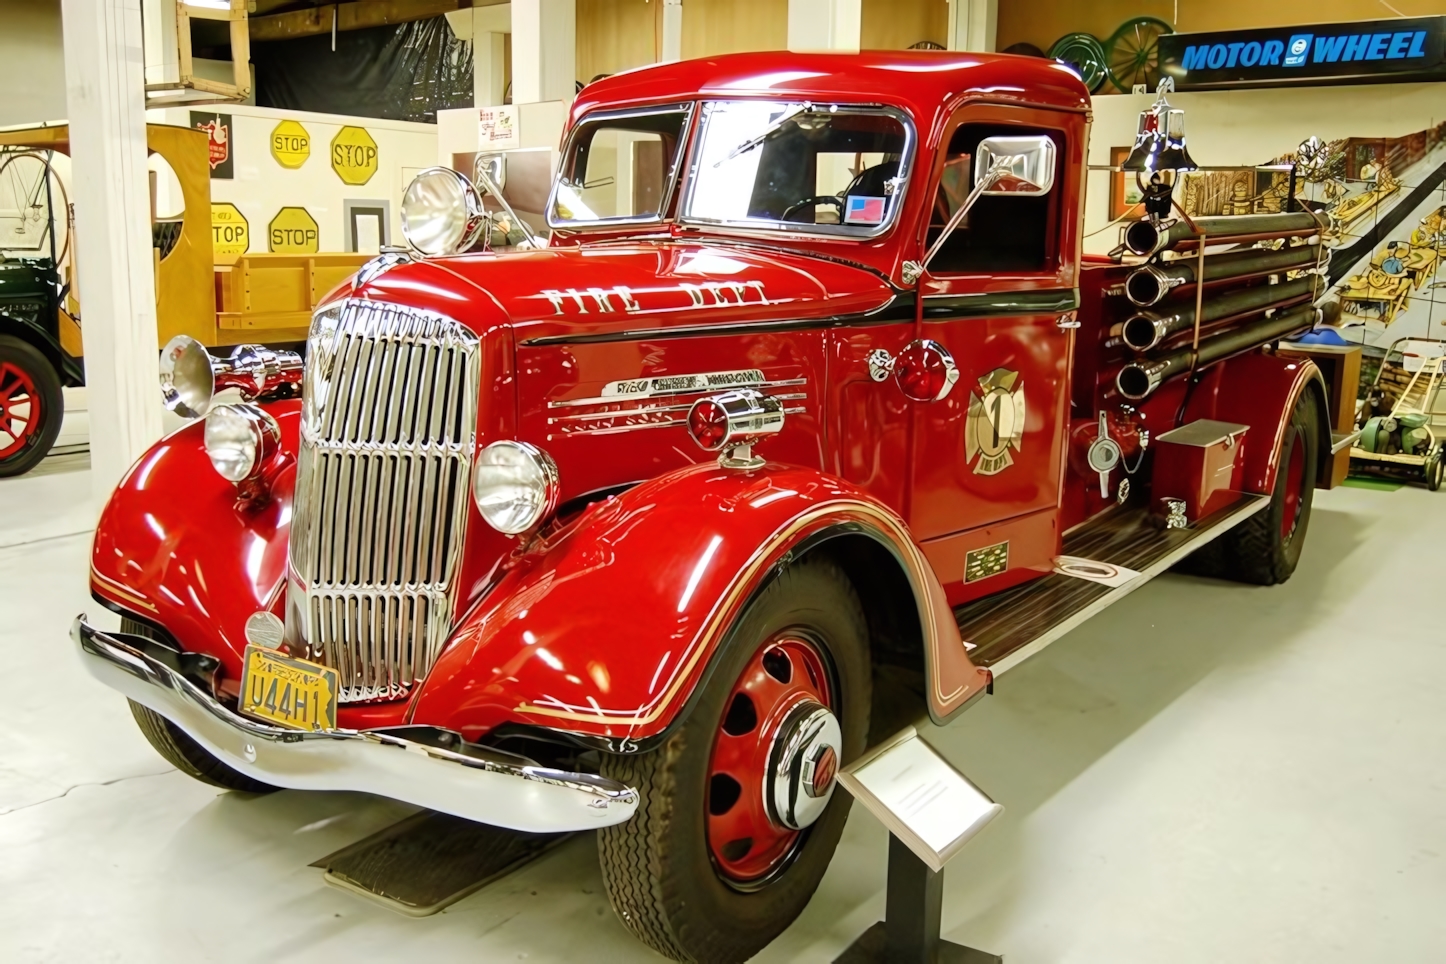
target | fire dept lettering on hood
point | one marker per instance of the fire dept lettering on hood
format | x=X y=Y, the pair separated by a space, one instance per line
x=678 y=384
x=703 y=294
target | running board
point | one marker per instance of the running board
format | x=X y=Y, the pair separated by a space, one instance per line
x=1008 y=628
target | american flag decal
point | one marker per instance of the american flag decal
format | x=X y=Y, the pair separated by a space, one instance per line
x=863 y=210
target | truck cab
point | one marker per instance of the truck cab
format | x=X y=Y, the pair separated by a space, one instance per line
x=806 y=422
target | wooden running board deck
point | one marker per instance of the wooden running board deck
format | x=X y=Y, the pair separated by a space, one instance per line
x=1004 y=630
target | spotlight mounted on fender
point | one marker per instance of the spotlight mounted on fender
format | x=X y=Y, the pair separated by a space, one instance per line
x=242 y=442
x=732 y=422
x=191 y=376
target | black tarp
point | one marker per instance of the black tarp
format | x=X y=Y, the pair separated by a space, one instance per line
x=406 y=71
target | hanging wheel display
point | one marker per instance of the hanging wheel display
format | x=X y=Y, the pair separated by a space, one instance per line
x=1084 y=53
x=740 y=809
x=31 y=405
x=1132 y=54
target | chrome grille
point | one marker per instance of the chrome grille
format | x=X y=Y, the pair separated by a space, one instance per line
x=389 y=416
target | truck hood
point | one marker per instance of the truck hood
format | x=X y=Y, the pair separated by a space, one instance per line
x=608 y=290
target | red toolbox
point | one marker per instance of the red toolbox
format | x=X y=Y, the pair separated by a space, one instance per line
x=1200 y=463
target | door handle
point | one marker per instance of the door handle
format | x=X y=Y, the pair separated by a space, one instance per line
x=1067 y=321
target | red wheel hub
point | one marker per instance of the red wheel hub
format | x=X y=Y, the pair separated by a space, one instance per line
x=1294 y=484
x=19 y=409
x=774 y=759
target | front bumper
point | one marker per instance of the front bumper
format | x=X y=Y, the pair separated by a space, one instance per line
x=423 y=765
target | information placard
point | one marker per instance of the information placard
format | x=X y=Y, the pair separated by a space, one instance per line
x=920 y=797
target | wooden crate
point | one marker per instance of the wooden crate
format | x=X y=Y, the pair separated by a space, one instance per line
x=271 y=296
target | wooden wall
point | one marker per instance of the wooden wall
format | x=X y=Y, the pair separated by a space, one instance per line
x=1042 y=22
x=726 y=26
x=898 y=24
x=613 y=35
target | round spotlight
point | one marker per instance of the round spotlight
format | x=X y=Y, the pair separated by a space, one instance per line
x=188 y=381
x=240 y=439
x=925 y=371
x=515 y=485
x=441 y=212
x=708 y=424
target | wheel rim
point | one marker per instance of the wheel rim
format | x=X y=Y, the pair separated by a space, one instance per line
x=1085 y=54
x=1294 y=486
x=1134 y=52
x=19 y=409
x=774 y=759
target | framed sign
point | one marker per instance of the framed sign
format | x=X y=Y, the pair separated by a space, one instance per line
x=920 y=797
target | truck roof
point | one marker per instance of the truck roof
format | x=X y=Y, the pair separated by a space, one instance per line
x=922 y=82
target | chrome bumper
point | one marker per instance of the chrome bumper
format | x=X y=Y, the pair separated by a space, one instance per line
x=423 y=765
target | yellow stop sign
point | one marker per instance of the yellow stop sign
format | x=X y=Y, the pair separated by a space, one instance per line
x=354 y=155
x=230 y=234
x=292 y=231
x=290 y=144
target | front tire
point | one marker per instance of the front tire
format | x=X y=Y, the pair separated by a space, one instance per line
x=1265 y=549
x=176 y=746
x=31 y=406
x=710 y=869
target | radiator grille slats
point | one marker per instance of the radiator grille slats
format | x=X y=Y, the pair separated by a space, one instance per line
x=388 y=422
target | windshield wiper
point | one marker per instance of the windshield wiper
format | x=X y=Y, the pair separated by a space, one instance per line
x=752 y=142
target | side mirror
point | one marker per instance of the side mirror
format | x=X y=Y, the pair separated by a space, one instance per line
x=1015 y=165
x=1021 y=166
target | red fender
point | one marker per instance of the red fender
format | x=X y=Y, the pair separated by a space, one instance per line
x=1260 y=390
x=172 y=546
x=606 y=628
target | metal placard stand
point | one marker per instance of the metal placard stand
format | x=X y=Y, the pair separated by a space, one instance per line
x=931 y=811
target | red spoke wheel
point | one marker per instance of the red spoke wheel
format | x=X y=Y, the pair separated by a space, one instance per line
x=31 y=406
x=774 y=760
x=739 y=817
x=1266 y=547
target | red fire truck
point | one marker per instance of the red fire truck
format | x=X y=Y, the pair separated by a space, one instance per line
x=807 y=421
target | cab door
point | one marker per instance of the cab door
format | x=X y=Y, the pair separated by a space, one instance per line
x=998 y=300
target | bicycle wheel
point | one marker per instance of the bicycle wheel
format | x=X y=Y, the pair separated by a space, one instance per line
x=1085 y=54
x=1132 y=54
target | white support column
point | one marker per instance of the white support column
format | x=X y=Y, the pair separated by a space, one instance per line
x=105 y=80
x=490 y=27
x=162 y=55
x=973 y=24
x=672 y=32
x=824 y=25
x=544 y=51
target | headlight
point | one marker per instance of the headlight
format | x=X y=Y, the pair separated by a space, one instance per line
x=240 y=440
x=441 y=212
x=515 y=485
x=187 y=380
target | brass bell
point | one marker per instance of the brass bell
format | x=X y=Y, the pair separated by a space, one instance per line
x=1160 y=141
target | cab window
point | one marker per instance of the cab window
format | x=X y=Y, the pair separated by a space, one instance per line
x=999 y=234
x=619 y=167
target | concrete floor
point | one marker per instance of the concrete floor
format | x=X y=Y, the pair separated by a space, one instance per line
x=1206 y=772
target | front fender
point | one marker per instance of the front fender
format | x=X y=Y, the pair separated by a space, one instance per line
x=605 y=629
x=174 y=548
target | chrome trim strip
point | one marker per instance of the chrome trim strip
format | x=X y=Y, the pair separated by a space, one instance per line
x=650 y=409
x=427 y=766
x=618 y=400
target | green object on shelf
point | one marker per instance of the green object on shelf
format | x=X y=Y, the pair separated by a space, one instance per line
x=1132 y=54
x=1085 y=54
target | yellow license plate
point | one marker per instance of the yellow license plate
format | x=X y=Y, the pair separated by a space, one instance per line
x=286 y=691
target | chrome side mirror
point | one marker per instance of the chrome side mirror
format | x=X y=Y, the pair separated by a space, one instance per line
x=1022 y=166
x=487 y=184
x=1015 y=165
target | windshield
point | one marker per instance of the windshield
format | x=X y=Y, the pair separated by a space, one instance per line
x=822 y=168
x=619 y=167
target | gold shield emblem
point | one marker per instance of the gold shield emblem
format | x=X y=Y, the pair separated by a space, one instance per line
x=996 y=422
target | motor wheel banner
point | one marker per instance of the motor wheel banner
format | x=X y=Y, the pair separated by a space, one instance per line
x=1366 y=51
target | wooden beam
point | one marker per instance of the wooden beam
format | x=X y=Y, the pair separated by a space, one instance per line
x=356 y=15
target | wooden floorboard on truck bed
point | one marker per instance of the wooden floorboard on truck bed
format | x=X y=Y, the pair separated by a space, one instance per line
x=1008 y=628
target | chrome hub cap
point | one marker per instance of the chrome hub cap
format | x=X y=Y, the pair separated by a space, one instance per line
x=804 y=763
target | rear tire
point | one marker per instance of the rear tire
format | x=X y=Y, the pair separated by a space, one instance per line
x=176 y=746
x=31 y=406
x=1265 y=549
x=665 y=876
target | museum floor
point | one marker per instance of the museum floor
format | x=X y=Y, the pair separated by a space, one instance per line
x=1205 y=772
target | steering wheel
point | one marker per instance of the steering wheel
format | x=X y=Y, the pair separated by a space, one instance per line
x=810 y=202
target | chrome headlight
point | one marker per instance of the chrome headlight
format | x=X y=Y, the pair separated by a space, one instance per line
x=240 y=440
x=515 y=485
x=441 y=212
x=187 y=379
